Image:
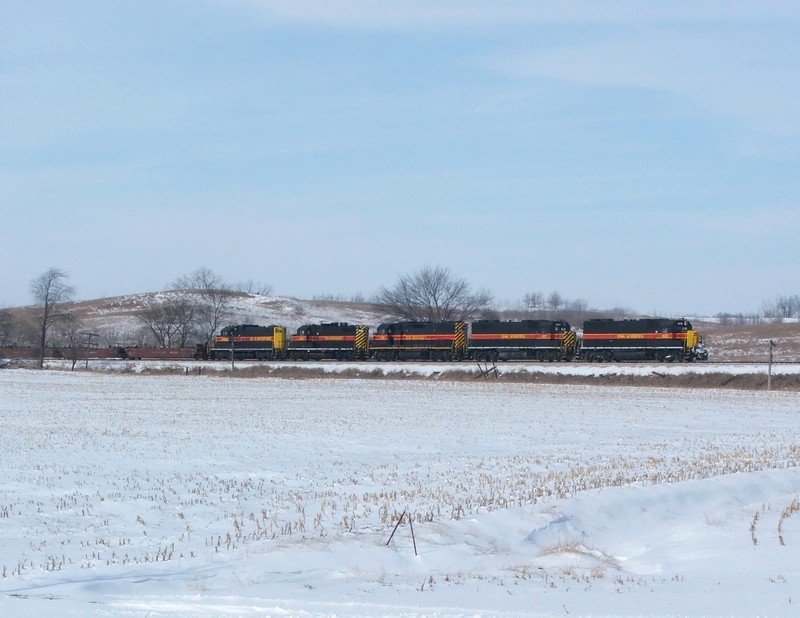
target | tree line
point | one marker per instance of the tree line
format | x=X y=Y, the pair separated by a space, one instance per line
x=197 y=305
x=193 y=308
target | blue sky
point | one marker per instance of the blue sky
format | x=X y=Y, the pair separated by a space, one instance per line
x=637 y=154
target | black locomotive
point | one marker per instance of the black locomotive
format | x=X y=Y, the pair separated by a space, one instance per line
x=654 y=339
x=542 y=340
x=249 y=341
x=333 y=340
x=440 y=341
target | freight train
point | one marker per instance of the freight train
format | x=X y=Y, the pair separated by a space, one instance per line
x=600 y=340
x=653 y=339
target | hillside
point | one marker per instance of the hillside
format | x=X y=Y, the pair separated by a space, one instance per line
x=116 y=322
x=114 y=319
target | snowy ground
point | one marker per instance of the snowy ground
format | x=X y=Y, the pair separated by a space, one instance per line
x=429 y=369
x=143 y=495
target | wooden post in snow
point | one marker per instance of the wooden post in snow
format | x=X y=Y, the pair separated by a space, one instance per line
x=769 y=369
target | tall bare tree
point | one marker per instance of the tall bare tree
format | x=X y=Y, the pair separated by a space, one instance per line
x=555 y=301
x=170 y=322
x=73 y=336
x=213 y=302
x=50 y=291
x=433 y=294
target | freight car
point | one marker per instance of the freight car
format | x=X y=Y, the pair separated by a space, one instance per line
x=652 y=339
x=65 y=352
x=332 y=340
x=197 y=352
x=249 y=341
x=543 y=340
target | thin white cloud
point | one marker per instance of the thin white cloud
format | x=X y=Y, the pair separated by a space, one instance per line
x=742 y=75
x=719 y=56
x=404 y=14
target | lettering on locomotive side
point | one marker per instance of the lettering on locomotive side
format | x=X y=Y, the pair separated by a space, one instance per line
x=634 y=336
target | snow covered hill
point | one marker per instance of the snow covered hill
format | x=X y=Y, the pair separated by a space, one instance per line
x=115 y=318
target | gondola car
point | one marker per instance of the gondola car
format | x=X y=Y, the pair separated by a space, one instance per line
x=420 y=341
x=248 y=341
x=655 y=339
x=543 y=340
x=332 y=340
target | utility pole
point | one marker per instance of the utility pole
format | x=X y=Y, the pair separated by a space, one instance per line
x=88 y=336
x=769 y=370
x=233 y=351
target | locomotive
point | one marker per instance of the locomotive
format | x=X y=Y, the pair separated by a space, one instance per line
x=650 y=339
x=653 y=339
x=542 y=340
x=335 y=340
x=249 y=342
x=439 y=341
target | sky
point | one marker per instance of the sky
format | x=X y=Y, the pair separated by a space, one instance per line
x=633 y=154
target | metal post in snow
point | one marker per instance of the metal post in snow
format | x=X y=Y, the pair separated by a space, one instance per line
x=397 y=525
x=413 y=538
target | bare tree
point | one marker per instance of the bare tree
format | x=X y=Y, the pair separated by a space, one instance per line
x=555 y=301
x=170 y=322
x=782 y=307
x=214 y=296
x=73 y=336
x=253 y=287
x=577 y=305
x=50 y=291
x=533 y=301
x=433 y=294
x=7 y=327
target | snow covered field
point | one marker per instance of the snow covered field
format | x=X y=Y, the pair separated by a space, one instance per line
x=143 y=495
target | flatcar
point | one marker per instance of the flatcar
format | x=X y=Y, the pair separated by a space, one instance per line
x=249 y=341
x=151 y=353
x=543 y=340
x=63 y=352
x=651 y=339
x=420 y=341
x=331 y=340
